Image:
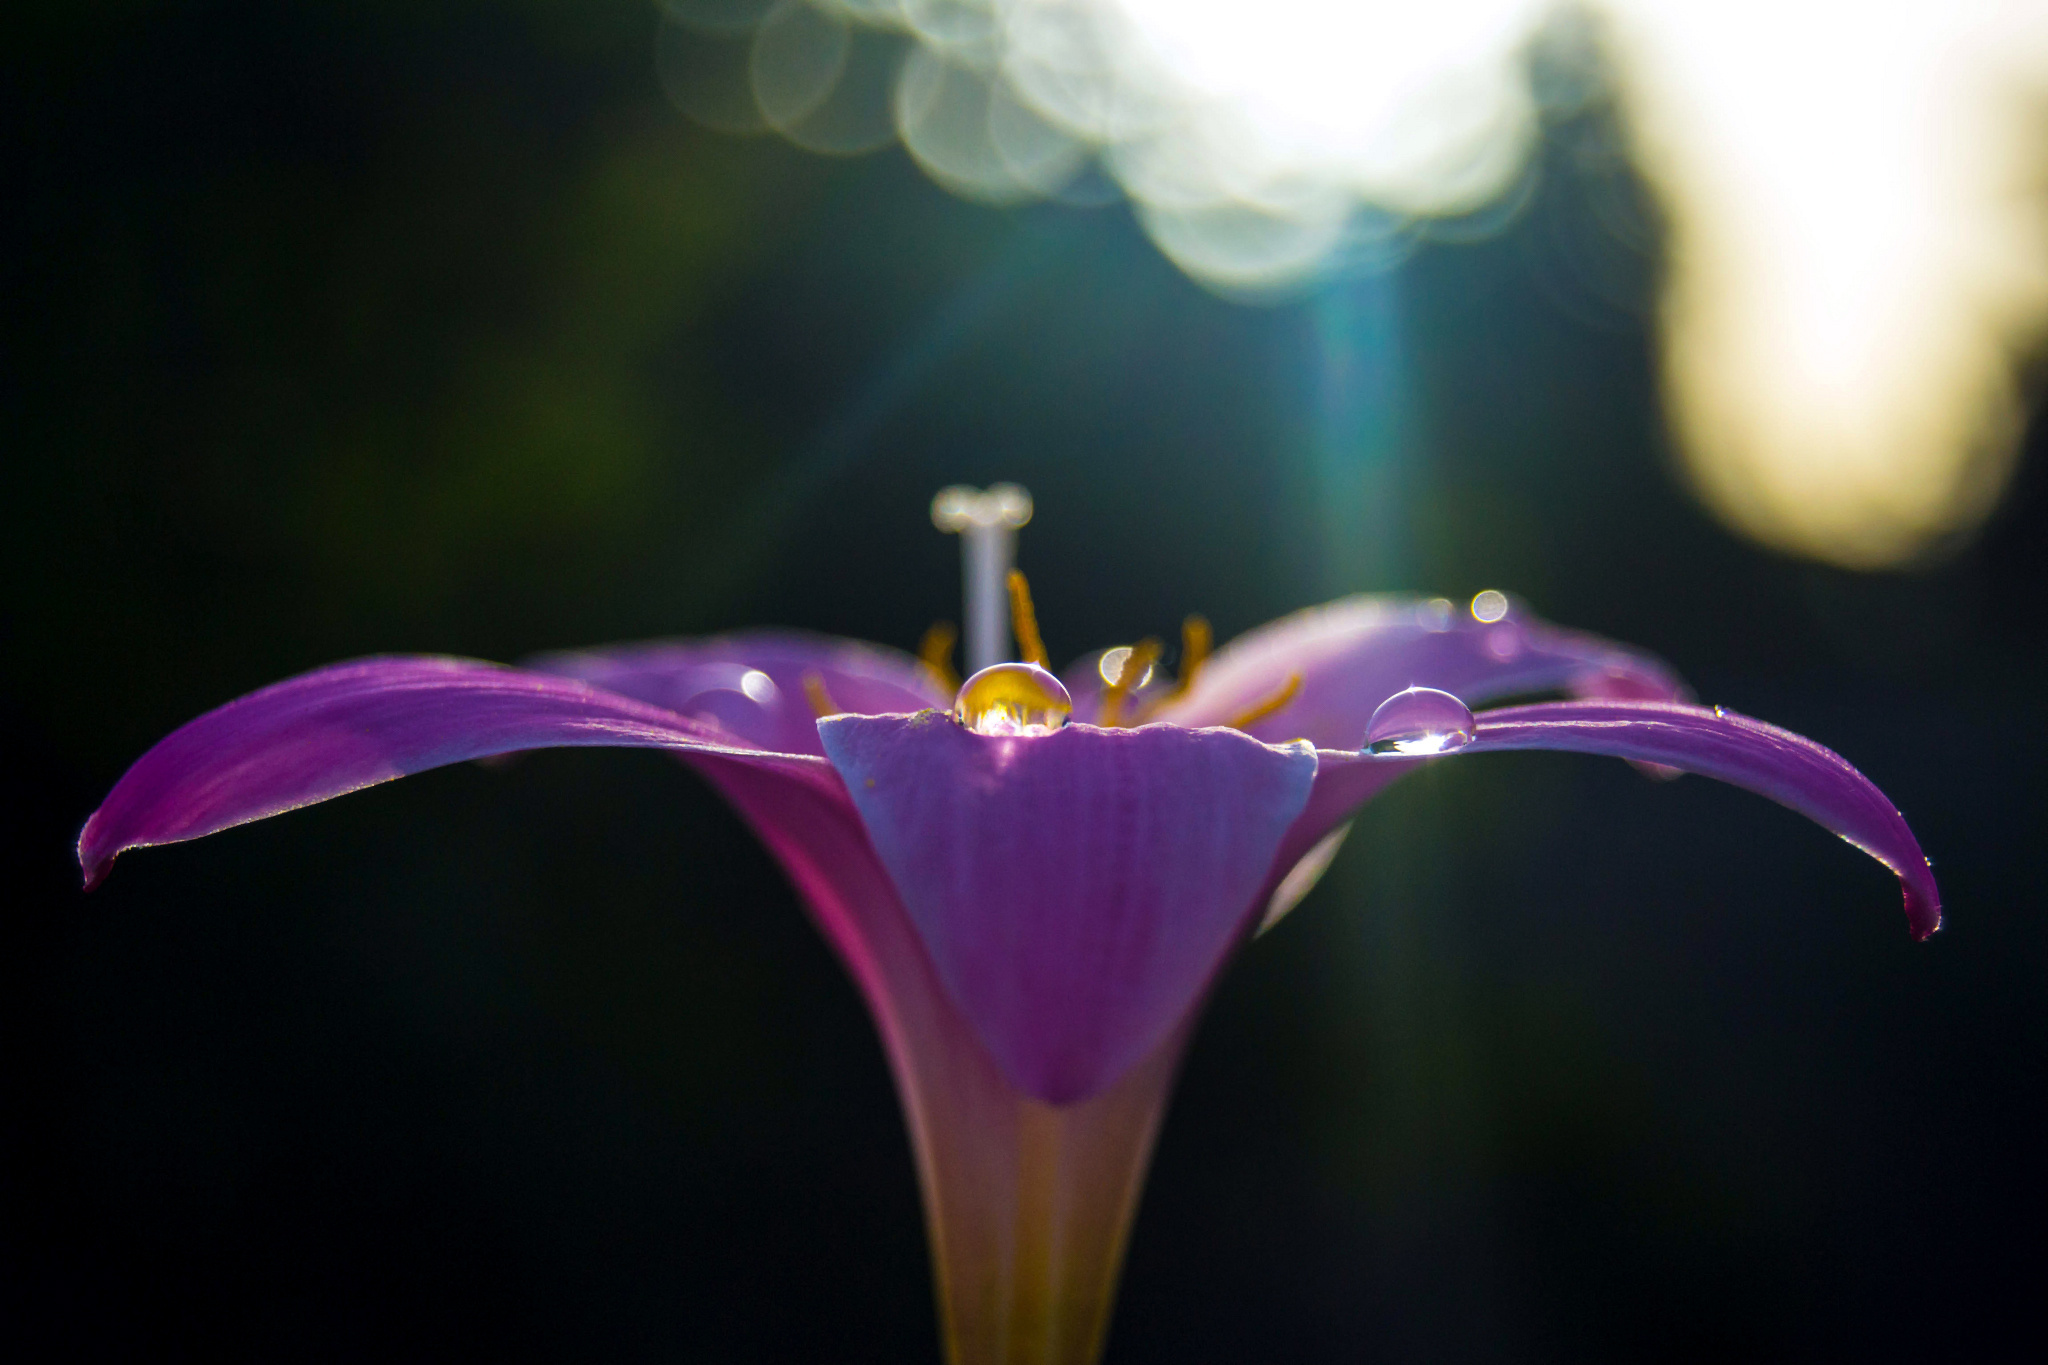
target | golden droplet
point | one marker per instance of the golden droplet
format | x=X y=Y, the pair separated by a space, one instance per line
x=1013 y=699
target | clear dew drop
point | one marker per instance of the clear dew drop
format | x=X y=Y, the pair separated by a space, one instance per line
x=1012 y=699
x=1418 y=722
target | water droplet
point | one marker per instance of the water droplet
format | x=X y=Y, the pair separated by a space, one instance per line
x=1489 y=606
x=759 y=686
x=1418 y=722
x=1012 y=699
x=1111 y=667
x=1434 y=615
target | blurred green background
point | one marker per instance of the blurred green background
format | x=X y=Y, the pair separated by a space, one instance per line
x=348 y=328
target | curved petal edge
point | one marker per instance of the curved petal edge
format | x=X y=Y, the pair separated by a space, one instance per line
x=1755 y=755
x=339 y=729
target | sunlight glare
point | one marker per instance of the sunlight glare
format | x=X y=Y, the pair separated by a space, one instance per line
x=1857 y=256
x=1857 y=247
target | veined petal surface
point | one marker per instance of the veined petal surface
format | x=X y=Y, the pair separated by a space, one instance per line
x=1790 y=769
x=1354 y=653
x=753 y=683
x=352 y=725
x=1076 y=891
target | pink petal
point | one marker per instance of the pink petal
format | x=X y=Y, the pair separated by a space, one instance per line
x=1790 y=769
x=1354 y=653
x=1017 y=1192
x=352 y=725
x=1076 y=891
x=708 y=679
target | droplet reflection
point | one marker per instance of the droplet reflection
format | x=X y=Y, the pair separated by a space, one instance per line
x=1419 y=722
x=1111 y=667
x=1013 y=699
x=1489 y=606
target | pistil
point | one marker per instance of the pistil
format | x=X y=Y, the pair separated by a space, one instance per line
x=986 y=522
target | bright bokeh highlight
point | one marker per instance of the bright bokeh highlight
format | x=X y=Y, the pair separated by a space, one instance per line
x=1858 y=254
x=1858 y=251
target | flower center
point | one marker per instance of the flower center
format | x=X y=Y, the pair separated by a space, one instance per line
x=1025 y=699
x=1013 y=699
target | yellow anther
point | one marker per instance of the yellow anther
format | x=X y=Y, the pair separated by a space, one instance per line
x=1137 y=664
x=1269 y=705
x=935 y=651
x=1196 y=640
x=820 y=700
x=1024 y=621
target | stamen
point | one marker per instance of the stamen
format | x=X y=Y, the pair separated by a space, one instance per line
x=820 y=700
x=1024 y=621
x=935 y=651
x=1269 y=705
x=1136 y=665
x=1196 y=640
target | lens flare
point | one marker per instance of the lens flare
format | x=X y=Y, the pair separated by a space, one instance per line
x=1858 y=241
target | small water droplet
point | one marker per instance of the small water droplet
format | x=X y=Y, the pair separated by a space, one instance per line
x=1490 y=606
x=1111 y=667
x=1419 y=722
x=1012 y=699
x=759 y=686
x=1434 y=615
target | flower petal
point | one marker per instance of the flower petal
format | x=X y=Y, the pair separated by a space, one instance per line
x=352 y=725
x=1017 y=1193
x=1076 y=891
x=1344 y=781
x=708 y=678
x=1790 y=769
x=1354 y=653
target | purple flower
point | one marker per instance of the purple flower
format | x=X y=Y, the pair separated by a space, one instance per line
x=1033 y=909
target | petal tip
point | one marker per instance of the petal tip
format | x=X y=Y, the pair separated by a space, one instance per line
x=93 y=865
x=1923 y=914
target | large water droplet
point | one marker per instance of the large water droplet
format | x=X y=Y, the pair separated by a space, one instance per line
x=1012 y=699
x=1418 y=722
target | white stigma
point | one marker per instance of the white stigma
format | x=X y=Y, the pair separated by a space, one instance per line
x=987 y=523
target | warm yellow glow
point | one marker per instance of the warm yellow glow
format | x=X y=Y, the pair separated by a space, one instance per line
x=1013 y=699
x=1856 y=255
x=1859 y=248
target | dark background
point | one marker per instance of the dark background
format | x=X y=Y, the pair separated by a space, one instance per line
x=346 y=328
